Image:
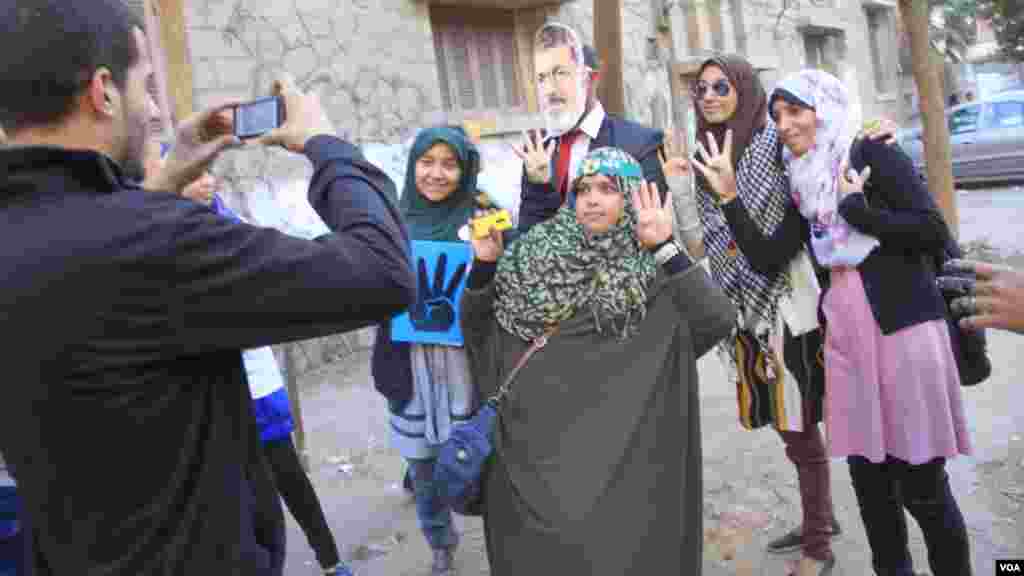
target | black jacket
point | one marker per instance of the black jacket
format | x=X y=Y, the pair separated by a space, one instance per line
x=126 y=418
x=896 y=208
x=540 y=201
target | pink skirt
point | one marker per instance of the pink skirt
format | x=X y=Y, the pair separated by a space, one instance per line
x=897 y=394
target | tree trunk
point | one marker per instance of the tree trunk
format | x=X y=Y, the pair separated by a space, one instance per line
x=174 y=39
x=608 y=43
x=928 y=77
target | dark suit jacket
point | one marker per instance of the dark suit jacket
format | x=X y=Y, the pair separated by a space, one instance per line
x=541 y=201
x=126 y=418
x=896 y=208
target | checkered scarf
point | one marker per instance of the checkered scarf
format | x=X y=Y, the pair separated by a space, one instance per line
x=763 y=188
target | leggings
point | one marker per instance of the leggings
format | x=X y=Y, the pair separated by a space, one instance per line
x=301 y=500
x=885 y=489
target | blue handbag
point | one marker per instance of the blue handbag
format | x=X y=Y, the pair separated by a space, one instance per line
x=463 y=458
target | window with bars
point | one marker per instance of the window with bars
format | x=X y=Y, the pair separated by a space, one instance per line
x=880 y=37
x=476 y=59
x=823 y=49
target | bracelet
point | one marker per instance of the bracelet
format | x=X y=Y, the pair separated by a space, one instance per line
x=667 y=252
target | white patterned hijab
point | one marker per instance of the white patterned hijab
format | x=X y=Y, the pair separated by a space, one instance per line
x=814 y=176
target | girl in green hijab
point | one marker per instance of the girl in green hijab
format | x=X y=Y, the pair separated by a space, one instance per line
x=428 y=385
x=440 y=184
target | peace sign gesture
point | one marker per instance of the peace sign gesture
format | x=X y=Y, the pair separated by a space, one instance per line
x=673 y=162
x=850 y=181
x=536 y=157
x=654 y=219
x=717 y=166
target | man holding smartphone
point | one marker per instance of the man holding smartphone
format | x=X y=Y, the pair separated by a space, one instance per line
x=127 y=421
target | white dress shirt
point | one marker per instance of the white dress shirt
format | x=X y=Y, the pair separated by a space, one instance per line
x=589 y=128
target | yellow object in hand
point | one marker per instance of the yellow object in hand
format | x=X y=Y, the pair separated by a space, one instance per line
x=871 y=126
x=500 y=220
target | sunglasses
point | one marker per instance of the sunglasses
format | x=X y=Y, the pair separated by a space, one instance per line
x=720 y=86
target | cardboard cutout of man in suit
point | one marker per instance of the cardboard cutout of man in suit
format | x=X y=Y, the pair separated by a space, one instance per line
x=576 y=122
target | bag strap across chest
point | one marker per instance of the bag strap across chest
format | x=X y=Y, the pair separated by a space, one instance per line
x=506 y=385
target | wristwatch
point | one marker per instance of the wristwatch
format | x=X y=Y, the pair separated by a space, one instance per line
x=667 y=251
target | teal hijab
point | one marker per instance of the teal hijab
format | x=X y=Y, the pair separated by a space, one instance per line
x=440 y=221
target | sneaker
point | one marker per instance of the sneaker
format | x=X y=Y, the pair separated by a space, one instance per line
x=794 y=540
x=340 y=570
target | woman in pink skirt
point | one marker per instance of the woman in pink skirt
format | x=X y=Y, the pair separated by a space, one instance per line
x=893 y=405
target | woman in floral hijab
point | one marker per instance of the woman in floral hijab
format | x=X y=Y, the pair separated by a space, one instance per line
x=632 y=315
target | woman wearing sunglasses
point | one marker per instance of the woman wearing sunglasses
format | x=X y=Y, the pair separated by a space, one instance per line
x=754 y=240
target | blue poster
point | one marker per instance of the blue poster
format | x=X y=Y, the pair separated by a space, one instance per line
x=433 y=318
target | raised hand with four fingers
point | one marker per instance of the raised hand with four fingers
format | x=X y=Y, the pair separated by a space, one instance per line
x=654 y=218
x=717 y=166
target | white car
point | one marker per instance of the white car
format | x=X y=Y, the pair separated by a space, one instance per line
x=986 y=139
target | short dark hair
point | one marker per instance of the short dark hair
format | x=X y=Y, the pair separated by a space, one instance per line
x=553 y=35
x=51 y=50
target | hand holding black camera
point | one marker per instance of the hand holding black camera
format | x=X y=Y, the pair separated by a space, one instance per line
x=288 y=118
x=302 y=117
x=200 y=138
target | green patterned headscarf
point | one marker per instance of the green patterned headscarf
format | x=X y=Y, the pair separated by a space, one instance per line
x=555 y=271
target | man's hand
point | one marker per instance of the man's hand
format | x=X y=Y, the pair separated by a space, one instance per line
x=536 y=157
x=717 y=166
x=674 y=164
x=994 y=300
x=199 y=140
x=654 y=220
x=304 y=118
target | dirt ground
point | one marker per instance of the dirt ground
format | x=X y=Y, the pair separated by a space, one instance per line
x=750 y=487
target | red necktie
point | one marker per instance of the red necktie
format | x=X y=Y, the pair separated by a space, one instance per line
x=564 y=156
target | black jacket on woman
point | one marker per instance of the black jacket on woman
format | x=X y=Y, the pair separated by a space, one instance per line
x=896 y=208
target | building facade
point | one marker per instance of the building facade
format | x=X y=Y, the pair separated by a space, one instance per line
x=386 y=68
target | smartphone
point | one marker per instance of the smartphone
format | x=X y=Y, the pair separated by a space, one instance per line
x=256 y=118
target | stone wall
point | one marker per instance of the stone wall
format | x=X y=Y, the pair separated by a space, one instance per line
x=774 y=42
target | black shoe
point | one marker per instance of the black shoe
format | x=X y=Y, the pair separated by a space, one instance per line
x=794 y=539
x=407 y=482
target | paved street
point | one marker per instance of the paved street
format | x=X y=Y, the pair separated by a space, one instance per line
x=750 y=487
x=993 y=215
